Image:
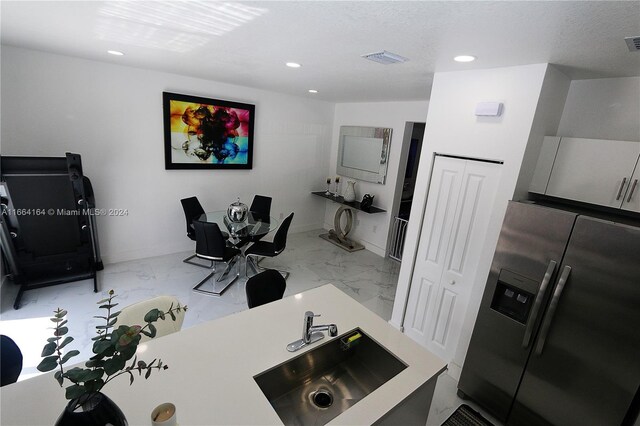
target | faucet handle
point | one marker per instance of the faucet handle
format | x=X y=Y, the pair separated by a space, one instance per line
x=310 y=314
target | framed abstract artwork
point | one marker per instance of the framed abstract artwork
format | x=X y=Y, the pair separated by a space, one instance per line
x=202 y=133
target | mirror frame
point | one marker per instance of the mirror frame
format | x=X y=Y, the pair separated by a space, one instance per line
x=383 y=133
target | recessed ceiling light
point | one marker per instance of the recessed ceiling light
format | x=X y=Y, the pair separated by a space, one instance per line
x=115 y=52
x=313 y=91
x=293 y=65
x=464 y=58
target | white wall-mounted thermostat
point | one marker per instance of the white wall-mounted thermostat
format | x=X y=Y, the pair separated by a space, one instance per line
x=491 y=109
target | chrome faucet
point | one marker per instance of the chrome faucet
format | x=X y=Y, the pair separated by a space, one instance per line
x=311 y=333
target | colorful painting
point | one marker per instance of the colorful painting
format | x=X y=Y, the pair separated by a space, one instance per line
x=201 y=133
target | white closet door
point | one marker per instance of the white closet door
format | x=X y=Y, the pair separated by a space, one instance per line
x=458 y=209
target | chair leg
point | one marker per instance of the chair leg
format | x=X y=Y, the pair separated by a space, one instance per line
x=256 y=266
x=218 y=289
x=188 y=260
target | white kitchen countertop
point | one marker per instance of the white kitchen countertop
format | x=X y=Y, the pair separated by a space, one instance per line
x=211 y=368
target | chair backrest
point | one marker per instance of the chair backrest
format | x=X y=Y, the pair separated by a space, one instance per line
x=261 y=205
x=10 y=361
x=134 y=315
x=192 y=211
x=265 y=287
x=280 y=239
x=210 y=242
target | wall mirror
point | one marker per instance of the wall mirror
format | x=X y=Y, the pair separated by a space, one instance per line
x=363 y=153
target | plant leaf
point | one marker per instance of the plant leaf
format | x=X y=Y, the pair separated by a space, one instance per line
x=173 y=316
x=60 y=313
x=61 y=331
x=69 y=355
x=74 y=391
x=114 y=314
x=130 y=378
x=65 y=342
x=99 y=346
x=113 y=365
x=58 y=377
x=94 y=363
x=48 y=363
x=152 y=315
x=48 y=349
x=147 y=374
x=108 y=306
x=52 y=339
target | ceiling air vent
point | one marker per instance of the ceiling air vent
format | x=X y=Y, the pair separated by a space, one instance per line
x=633 y=43
x=385 y=57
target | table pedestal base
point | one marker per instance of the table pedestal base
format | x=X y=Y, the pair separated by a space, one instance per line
x=344 y=243
x=338 y=236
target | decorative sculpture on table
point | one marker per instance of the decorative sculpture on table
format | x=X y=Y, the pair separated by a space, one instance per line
x=367 y=202
x=350 y=191
x=237 y=211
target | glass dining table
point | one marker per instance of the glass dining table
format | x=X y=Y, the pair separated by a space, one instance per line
x=251 y=229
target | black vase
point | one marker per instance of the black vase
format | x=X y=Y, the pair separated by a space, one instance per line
x=92 y=409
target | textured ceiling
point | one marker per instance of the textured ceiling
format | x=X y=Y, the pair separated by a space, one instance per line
x=247 y=43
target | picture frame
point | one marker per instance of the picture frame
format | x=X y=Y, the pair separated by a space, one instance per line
x=206 y=133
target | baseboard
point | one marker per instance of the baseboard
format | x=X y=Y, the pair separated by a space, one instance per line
x=142 y=253
x=396 y=325
x=454 y=371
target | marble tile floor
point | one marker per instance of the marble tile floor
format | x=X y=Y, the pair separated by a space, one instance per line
x=368 y=278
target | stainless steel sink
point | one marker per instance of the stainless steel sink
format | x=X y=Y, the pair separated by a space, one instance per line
x=318 y=385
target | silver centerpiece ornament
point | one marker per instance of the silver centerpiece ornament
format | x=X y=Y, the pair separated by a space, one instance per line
x=237 y=211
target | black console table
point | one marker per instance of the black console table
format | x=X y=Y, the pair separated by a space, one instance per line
x=338 y=235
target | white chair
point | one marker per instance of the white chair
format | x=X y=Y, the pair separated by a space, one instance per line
x=134 y=315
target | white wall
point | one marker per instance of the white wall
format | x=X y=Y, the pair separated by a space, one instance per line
x=607 y=108
x=112 y=116
x=546 y=121
x=372 y=229
x=452 y=128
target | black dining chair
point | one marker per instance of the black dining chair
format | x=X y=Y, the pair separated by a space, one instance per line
x=269 y=249
x=265 y=287
x=211 y=245
x=260 y=212
x=10 y=361
x=192 y=211
x=261 y=205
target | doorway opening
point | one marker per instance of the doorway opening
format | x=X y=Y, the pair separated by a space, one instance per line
x=407 y=173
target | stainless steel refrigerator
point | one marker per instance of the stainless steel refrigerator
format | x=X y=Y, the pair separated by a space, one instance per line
x=557 y=338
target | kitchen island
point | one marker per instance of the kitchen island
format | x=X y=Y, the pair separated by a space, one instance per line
x=212 y=365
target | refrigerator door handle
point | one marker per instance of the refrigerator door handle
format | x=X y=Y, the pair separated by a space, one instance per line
x=544 y=331
x=624 y=180
x=528 y=332
x=633 y=188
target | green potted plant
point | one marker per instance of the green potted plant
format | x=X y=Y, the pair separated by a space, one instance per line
x=115 y=355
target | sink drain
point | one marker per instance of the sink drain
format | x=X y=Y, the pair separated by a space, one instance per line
x=322 y=398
